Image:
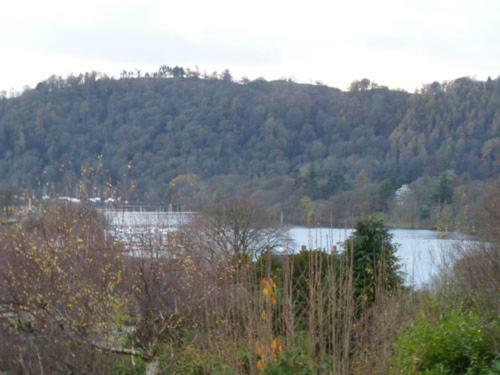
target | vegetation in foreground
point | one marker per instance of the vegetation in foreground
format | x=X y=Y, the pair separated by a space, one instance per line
x=214 y=298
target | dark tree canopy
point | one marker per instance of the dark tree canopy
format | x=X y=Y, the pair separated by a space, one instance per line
x=137 y=133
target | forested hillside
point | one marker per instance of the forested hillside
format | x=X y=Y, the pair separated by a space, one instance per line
x=133 y=136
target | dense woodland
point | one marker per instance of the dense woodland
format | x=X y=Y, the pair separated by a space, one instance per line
x=179 y=137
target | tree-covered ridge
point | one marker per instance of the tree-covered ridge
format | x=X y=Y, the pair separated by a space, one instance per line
x=138 y=133
x=453 y=126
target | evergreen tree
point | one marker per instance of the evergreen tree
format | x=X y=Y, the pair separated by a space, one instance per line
x=375 y=264
x=387 y=189
x=312 y=189
x=444 y=192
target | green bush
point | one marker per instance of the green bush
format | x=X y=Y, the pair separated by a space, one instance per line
x=457 y=343
x=290 y=363
x=197 y=361
x=125 y=366
x=294 y=360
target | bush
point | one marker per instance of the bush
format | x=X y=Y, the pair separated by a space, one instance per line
x=290 y=363
x=457 y=343
x=125 y=366
x=294 y=360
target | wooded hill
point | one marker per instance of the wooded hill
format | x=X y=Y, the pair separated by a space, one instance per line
x=138 y=133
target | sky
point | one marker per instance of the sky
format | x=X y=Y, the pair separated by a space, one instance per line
x=397 y=43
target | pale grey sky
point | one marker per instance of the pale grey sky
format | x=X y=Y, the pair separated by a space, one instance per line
x=399 y=43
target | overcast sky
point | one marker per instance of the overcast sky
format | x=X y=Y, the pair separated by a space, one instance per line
x=398 y=43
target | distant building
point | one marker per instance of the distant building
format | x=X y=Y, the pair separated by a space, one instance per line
x=110 y=201
x=69 y=199
x=402 y=194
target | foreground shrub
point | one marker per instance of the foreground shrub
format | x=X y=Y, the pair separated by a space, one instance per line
x=60 y=298
x=457 y=343
x=294 y=360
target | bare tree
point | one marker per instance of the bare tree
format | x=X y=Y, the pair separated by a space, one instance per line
x=239 y=228
x=65 y=306
x=163 y=299
x=489 y=214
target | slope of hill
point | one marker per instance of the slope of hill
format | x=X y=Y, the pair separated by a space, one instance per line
x=138 y=134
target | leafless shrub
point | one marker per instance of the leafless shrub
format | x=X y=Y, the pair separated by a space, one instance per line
x=476 y=276
x=59 y=276
x=240 y=227
x=488 y=215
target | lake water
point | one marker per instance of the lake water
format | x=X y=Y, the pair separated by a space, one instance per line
x=421 y=252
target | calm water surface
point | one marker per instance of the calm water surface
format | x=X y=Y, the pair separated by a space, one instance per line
x=421 y=252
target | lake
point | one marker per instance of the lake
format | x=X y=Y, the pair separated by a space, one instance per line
x=421 y=252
